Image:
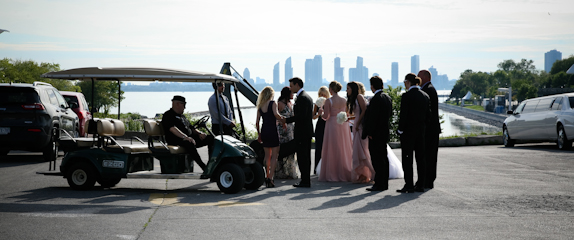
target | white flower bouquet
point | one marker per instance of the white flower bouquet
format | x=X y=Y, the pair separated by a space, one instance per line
x=341 y=117
x=320 y=101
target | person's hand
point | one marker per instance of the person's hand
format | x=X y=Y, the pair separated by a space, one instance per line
x=232 y=125
x=202 y=135
x=283 y=120
x=320 y=111
x=189 y=139
x=259 y=139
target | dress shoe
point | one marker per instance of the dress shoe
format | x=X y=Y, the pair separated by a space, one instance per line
x=302 y=185
x=429 y=186
x=419 y=189
x=376 y=189
x=406 y=190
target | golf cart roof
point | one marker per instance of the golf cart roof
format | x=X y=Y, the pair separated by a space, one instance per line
x=138 y=74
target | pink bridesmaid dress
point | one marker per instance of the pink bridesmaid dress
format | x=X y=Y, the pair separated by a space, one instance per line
x=337 y=154
x=363 y=171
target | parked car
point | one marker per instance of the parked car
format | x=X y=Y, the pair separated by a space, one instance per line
x=78 y=103
x=31 y=117
x=543 y=119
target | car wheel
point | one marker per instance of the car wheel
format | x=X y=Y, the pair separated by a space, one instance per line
x=51 y=150
x=109 y=182
x=231 y=178
x=81 y=176
x=562 y=141
x=508 y=142
x=254 y=176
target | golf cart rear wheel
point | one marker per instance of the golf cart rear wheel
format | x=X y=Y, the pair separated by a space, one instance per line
x=81 y=176
x=254 y=176
x=231 y=178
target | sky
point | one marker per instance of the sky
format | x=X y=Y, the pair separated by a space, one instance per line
x=451 y=36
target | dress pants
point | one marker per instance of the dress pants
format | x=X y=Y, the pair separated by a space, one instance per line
x=416 y=143
x=319 y=132
x=431 y=153
x=304 y=159
x=192 y=149
x=380 y=161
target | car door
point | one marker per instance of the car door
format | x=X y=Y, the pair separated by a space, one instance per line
x=544 y=120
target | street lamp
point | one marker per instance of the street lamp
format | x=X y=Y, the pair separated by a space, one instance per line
x=509 y=90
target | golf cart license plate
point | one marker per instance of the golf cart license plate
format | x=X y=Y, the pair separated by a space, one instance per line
x=4 y=130
x=112 y=164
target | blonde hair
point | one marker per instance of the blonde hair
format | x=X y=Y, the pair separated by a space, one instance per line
x=335 y=86
x=324 y=91
x=266 y=94
x=362 y=89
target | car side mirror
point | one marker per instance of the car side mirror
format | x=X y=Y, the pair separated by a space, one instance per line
x=510 y=112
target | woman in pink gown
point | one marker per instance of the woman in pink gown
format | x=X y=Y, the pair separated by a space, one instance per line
x=337 y=153
x=363 y=171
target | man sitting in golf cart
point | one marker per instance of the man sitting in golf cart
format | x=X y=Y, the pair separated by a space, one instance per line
x=179 y=131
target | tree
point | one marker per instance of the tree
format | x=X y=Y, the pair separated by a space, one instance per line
x=562 y=65
x=106 y=94
x=18 y=71
x=395 y=94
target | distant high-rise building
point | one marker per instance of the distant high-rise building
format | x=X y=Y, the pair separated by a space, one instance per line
x=308 y=70
x=339 y=70
x=288 y=70
x=276 y=74
x=359 y=73
x=394 y=74
x=247 y=76
x=440 y=82
x=551 y=57
x=314 y=71
x=415 y=64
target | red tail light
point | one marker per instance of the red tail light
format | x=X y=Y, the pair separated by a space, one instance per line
x=38 y=106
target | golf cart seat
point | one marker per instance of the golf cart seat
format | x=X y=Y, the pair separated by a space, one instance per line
x=110 y=128
x=69 y=143
x=154 y=130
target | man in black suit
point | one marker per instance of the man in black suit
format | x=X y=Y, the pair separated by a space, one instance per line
x=415 y=111
x=376 y=128
x=432 y=129
x=303 y=119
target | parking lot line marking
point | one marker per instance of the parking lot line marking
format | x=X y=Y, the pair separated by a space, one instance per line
x=170 y=199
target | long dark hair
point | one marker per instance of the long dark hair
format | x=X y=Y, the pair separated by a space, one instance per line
x=353 y=97
x=285 y=94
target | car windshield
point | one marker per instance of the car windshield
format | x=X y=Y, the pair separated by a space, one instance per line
x=13 y=95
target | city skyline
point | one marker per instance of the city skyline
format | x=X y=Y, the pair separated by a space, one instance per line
x=449 y=35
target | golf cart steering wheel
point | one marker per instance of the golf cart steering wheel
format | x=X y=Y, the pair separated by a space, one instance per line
x=201 y=122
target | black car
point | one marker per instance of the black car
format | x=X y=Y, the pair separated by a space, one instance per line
x=31 y=117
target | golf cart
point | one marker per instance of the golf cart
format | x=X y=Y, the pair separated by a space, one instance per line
x=103 y=159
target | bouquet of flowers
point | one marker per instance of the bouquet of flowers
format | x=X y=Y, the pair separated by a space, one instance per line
x=320 y=102
x=341 y=117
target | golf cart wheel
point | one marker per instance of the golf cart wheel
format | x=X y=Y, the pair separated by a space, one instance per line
x=254 y=176
x=109 y=182
x=562 y=142
x=50 y=152
x=81 y=176
x=506 y=138
x=231 y=178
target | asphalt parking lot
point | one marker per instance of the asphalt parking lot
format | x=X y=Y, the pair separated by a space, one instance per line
x=482 y=192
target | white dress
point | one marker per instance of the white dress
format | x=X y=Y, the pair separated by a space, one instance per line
x=395 y=166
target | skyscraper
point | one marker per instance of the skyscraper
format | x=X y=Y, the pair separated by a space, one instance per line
x=308 y=70
x=247 y=76
x=276 y=74
x=415 y=64
x=394 y=74
x=314 y=71
x=551 y=57
x=288 y=70
x=359 y=73
x=339 y=70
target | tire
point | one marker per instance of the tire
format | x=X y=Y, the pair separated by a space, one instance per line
x=562 y=141
x=109 y=182
x=51 y=150
x=508 y=142
x=254 y=176
x=231 y=178
x=81 y=176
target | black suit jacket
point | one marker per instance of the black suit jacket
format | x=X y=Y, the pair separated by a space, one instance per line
x=434 y=121
x=376 y=122
x=303 y=117
x=415 y=110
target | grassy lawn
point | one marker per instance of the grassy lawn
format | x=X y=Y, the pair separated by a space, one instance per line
x=475 y=107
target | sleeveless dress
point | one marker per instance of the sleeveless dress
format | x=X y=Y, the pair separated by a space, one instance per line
x=286 y=167
x=269 y=134
x=337 y=155
x=363 y=171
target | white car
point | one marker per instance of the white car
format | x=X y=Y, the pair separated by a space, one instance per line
x=542 y=119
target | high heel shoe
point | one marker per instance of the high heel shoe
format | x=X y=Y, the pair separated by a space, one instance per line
x=267 y=182
x=271 y=183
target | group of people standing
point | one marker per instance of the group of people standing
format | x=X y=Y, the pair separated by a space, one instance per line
x=351 y=134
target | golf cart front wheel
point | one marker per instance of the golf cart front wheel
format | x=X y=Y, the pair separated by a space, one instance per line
x=231 y=178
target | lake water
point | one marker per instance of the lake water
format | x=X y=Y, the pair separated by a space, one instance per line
x=151 y=103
